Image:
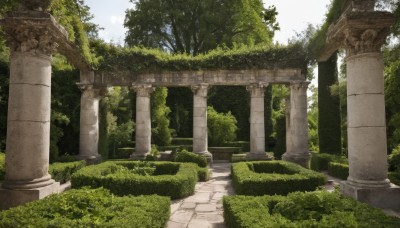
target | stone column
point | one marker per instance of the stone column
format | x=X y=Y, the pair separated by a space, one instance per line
x=28 y=124
x=257 y=126
x=200 y=130
x=288 y=133
x=89 y=124
x=298 y=139
x=367 y=149
x=143 y=121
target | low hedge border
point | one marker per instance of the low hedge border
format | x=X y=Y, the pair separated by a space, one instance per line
x=185 y=156
x=62 y=172
x=310 y=209
x=176 y=180
x=90 y=208
x=338 y=170
x=320 y=161
x=273 y=177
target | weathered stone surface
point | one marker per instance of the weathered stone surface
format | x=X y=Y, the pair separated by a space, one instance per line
x=257 y=131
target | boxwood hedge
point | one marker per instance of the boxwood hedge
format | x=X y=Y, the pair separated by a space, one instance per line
x=310 y=209
x=185 y=156
x=176 y=180
x=90 y=208
x=320 y=161
x=338 y=170
x=273 y=177
x=62 y=172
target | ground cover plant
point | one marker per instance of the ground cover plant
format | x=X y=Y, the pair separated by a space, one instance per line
x=310 y=209
x=273 y=177
x=90 y=208
x=176 y=180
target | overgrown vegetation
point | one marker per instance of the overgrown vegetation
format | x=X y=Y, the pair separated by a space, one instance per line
x=311 y=209
x=90 y=208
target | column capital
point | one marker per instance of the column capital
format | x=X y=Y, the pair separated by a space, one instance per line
x=256 y=89
x=297 y=85
x=143 y=90
x=201 y=89
x=361 y=30
x=91 y=88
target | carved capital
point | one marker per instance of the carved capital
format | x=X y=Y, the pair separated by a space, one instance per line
x=363 y=41
x=143 y=90
x=200 y=90
x=256 y=90
x=299 y=85
x=89 y=89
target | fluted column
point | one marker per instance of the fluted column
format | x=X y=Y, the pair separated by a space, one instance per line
x=28 y=124
x=200 y=130
x=89 y=124
x=143 y=121
x=257 y=123
x=298 y=140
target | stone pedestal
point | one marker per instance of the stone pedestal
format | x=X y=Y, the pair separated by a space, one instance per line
x=89 y=124
x=200 y=130
x=298 y=124
x=28 y=123
x=143 y=121
x=257 y=126
x=367 y=149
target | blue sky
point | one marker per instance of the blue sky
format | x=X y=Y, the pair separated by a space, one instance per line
x=294 y=16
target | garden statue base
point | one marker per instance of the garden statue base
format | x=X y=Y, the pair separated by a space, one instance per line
x=14 y=197
x=385 y=198
x=300 y=159
x=258 y=157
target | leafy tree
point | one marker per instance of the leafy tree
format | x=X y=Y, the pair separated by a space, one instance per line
x=161 y=133
x=221 y=127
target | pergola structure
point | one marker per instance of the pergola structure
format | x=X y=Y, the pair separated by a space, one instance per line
x=33 y=37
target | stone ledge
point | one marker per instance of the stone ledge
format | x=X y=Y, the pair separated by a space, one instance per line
x=385 y=198
x=12 y=198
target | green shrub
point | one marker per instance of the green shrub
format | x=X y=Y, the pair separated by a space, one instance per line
x=125 y=152
x=394 y=178
x=90 y=208
x=311 y=209
x=62 y=172
x=273 y=177
x=221 y=127
x=2 y=166
x=182 y=141
x=339 y=170
x=203 y=174
x=394 y=159
x=185 y=156
x=320 y=161
x=238 y=158
x=176 y=180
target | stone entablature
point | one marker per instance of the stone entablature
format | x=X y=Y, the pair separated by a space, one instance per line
x=194 y=78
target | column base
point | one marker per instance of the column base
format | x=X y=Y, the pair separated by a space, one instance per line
x=90 y=160
x=300 y=159
x=258 y=157
x=135 y=156
x=385 y=197
x=207 y=155
x=14 y=197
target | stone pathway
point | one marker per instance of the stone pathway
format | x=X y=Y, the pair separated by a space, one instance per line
x=204 y=208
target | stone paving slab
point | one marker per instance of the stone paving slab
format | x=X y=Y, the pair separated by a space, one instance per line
x=204 y=209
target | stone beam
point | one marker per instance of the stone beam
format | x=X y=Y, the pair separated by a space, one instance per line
x=193 y=78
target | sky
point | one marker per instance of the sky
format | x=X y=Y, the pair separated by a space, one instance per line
x=294 y=16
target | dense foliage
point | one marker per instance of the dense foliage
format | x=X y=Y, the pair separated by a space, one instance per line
x=222 y=127
x=176 y=180
x=2 y=166
x=185 y=156
x=311 y=209
x=62 y=172
x=90 y=208
x=320 y=161
x=273 y=177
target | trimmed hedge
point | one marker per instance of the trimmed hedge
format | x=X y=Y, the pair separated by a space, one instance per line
x=320 y=161
x=338 y=170
x=311 y=209
x=245 y=145
x=176 y=180
x=394 y=178
x=273 y=177
x=62 y=172
x=185 y=156
x=2 y=165
x=238 y=158
x=90 y=208
x=203 y=174
x=125 y=152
